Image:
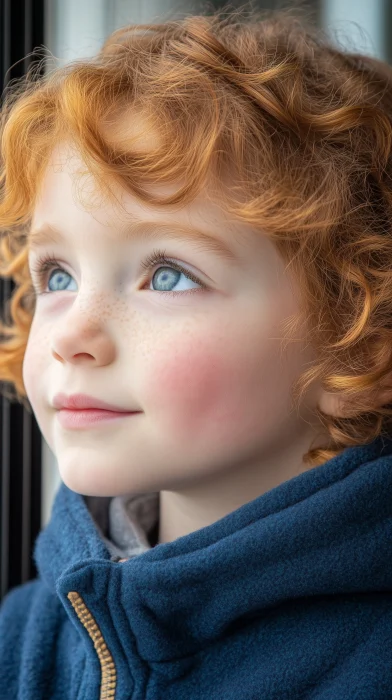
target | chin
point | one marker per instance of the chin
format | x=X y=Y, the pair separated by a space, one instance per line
x=87 y=484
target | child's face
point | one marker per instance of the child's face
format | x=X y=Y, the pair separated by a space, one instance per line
x=204 y=369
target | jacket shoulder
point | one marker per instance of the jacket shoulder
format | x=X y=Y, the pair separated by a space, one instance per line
x=30 y=617
x=14 y=616
x=14 y=610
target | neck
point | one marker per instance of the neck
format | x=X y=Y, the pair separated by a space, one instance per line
x=209 y=499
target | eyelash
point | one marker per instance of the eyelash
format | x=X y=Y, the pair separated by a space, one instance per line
x=47 y=263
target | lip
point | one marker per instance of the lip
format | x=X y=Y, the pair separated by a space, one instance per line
x=78 y=402
x=89 y=417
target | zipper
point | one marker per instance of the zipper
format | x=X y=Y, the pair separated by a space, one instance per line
x=108 y=668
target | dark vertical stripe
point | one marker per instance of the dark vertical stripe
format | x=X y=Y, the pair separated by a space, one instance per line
x=5 y=488
x=21 y=31
x=5 y=406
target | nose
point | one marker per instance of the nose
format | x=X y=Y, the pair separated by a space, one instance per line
x=83 y=341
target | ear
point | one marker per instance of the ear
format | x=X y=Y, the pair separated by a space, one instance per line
x=333 y=404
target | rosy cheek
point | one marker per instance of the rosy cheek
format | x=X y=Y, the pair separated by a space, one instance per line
x=194 y=390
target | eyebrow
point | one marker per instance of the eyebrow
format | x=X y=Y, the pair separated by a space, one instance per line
x=143 y=230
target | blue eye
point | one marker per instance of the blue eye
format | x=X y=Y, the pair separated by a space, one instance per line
x=63 y=279
x=171 y=272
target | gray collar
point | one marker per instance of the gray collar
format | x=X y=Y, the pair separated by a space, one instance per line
x=124 y=522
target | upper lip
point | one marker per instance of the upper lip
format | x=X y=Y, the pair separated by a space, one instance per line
x=80 y=401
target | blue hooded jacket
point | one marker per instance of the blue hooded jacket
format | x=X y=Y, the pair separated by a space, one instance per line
x=288 y=597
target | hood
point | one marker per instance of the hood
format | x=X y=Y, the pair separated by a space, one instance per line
x=325 y=532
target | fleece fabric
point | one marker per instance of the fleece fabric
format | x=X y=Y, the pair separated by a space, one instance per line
x=289 y=597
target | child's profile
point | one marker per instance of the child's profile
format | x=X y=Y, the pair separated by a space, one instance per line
x=199 y=223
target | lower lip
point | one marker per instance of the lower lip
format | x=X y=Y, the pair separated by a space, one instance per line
x=88 y=417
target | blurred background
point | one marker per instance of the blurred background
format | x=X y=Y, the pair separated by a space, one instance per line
x=72 y=29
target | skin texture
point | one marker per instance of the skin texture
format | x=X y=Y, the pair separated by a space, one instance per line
x=216 y=426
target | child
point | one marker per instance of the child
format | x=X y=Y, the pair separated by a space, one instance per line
x=224 y=525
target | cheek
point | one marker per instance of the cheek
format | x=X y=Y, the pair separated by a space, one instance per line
x=199 y=389
x=34 y=370
x=28 y=371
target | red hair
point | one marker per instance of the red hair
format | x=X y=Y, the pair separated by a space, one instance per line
x=292 y=134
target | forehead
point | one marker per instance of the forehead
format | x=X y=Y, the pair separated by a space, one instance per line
x=58 y=208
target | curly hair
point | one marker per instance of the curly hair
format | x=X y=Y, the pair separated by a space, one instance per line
x=291 y=132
